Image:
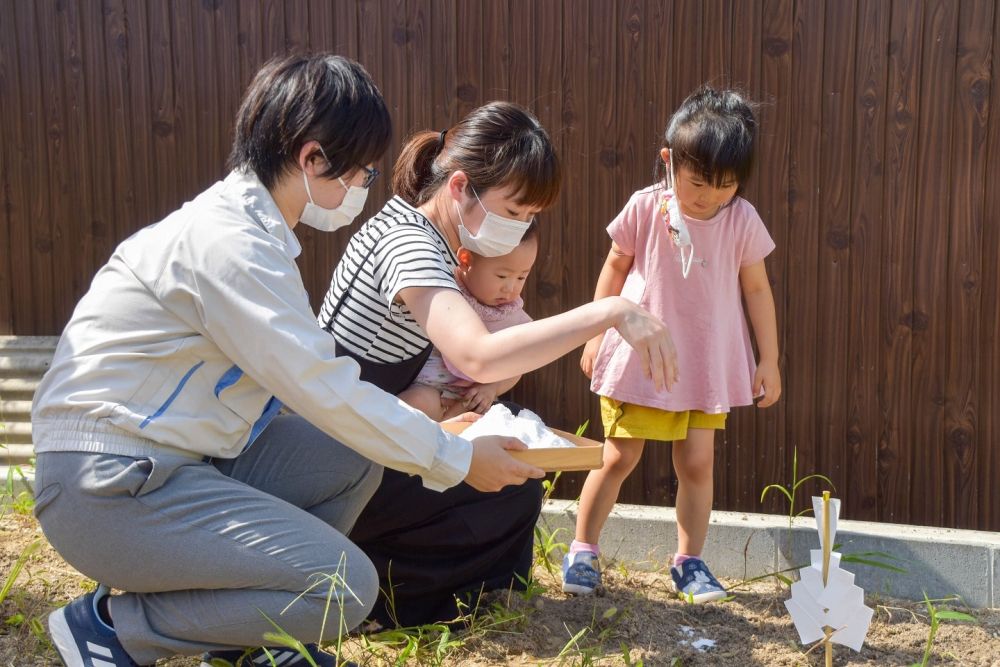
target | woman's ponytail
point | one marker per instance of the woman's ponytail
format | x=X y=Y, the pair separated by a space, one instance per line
x=414 y=170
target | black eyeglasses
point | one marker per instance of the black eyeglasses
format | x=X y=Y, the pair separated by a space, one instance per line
x=371 y=174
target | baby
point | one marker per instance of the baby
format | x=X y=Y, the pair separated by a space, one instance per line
x=492 y=285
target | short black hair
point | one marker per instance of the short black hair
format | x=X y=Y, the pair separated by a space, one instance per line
x=300 y=98
x=714 y=134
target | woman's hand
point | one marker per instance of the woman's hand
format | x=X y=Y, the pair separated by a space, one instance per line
x=768 y=378
x=651 y=340
x=464 y=417
x=589 y=354
x=492 y=468
x=479 y=397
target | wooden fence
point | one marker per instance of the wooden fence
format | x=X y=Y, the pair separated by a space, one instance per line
x=879 y=178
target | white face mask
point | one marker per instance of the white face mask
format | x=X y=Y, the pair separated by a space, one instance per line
x=678 y=227
x=497 y=235
x=331 y=219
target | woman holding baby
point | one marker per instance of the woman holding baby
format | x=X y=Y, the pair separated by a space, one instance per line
x=394 y=298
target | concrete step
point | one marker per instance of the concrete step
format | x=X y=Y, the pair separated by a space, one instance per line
x=940 y=561
x=28 y=343
x=16 y=455
x=25 y=363
x=15 y=411
x=15 y=433
x=18 y=389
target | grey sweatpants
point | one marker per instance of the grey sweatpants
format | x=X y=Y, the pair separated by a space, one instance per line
x=209 y=551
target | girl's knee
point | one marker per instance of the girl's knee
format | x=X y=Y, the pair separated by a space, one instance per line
x=697 y=471
x=620 y=461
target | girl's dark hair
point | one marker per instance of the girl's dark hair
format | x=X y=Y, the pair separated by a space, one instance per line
x=713 y=133
x=296 y=99
x=497 y=145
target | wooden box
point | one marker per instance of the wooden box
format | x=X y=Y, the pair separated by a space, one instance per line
x=586 y=455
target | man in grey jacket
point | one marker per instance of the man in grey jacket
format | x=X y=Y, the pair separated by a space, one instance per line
x=163 y=468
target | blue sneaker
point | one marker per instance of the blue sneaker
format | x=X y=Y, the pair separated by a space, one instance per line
x=280 y=656
x=695 y=583
x=83 y=639
x=581 y=573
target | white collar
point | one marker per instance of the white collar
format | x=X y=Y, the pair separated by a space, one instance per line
x=262 y=207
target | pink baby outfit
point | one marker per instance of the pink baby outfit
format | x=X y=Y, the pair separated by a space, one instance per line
x=439 y=373
x=703 y=312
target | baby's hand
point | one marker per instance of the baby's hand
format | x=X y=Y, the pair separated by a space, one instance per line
x=479 y=397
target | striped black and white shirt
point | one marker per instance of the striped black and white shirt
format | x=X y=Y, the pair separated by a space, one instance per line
x=396 y=249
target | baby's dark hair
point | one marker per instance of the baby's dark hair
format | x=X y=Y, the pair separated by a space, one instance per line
x=713 y=133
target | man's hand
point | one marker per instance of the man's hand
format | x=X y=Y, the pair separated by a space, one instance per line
x=492 y=468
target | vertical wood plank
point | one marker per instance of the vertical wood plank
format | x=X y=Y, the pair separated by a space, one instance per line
x=209 y=151
x=230 y=84
x=62 y=230
x=166 y=190
x=962 y=440
x=39 y=308
x=742 y=452
x=772 y=204
x=10 y=93
x=272 y=29
x=835 y=239
x=139 y=130
x=77 y=238
x=444 y=40
x=500 y=18
x=930 y=305
x=987 y=457
x=800 y=322
x=468 y=57
x=864 y=363
x=576 y=216
x=102 y=112
x=11 y=138
x=297 y=39
x=717 y=52
x=332 y=27
x=550 y=286
x=185 y=114
x=249 y=40
x=895 y=462
x=688 y=68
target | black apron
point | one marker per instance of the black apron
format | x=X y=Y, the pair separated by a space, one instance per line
x=432 y=548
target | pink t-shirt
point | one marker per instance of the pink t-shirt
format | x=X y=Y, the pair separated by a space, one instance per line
x=704 y=312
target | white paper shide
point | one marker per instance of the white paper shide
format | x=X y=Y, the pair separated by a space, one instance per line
x=836 y=609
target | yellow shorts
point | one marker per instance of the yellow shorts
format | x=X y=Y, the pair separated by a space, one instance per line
x=627 y=420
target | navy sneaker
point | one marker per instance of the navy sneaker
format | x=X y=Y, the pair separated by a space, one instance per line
x=83 y=639
x=280 y=656
x=581 y=573
x=695 y=583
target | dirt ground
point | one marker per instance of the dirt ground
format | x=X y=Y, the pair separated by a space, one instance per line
x=637 y=619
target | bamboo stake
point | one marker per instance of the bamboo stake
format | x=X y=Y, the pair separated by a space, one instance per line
x=827 y=547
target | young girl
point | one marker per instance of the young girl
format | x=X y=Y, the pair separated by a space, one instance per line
x=492 y=286
x=689 y=265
